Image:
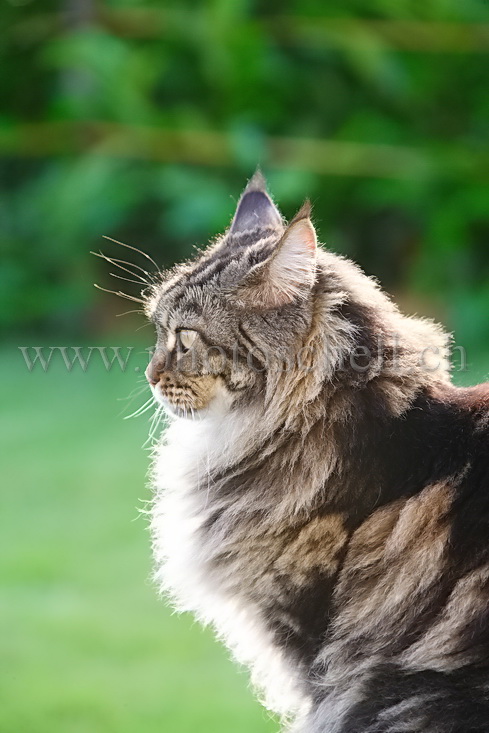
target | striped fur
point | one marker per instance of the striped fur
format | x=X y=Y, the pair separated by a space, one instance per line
x=321 y=492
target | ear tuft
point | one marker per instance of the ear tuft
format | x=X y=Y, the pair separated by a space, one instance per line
x=257 y=182
x=303 y=213
x=256 y=209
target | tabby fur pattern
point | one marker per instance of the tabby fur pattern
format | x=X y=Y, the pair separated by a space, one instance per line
x=322 y=490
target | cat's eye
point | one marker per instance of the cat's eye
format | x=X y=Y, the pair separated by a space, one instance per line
x=185 y=339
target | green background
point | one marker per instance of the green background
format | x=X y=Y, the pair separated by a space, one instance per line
x=142 y=121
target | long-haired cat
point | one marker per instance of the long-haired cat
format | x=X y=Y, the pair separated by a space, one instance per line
x=322 y=491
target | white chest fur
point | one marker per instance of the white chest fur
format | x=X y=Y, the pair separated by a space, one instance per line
x=182 y=472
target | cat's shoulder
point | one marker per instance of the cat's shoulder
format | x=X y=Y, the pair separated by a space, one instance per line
x=474 y=399
x=474 y=403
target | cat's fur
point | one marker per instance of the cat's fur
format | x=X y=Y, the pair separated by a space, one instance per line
x=328 y=515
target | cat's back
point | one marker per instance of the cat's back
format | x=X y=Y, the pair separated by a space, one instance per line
x=409 y=646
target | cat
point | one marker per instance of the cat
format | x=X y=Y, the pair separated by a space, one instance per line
x=322 y=490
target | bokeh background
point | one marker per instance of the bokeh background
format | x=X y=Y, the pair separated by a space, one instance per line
x=142 y=121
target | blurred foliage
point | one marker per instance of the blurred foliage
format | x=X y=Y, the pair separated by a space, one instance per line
x=142 y=121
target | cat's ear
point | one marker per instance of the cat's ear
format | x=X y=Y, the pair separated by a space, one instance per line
x=289 y=273
x=256 y=209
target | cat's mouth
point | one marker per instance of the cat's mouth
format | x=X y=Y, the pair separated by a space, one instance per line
x=179 y=404
x=180 y=410
x=183 y=395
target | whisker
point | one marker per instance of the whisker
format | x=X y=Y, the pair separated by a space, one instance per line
x=131 y=264
x=145 y=325
x=146 y=406
x=127 y=279
x=126 y=313
x=154 y=420
x=137 y=413
x=119 y=293
x=135 y=249
x=159 y=415
x=120 y=264
x=135 y=393
x=154 y=425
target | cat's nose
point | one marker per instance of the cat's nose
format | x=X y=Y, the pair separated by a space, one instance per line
x=151 y=379
x=153 y=371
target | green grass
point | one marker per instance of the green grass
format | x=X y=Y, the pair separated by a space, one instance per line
x=86 y=646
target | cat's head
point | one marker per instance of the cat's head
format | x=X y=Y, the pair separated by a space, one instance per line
x=245 y=303
x=266 y=318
